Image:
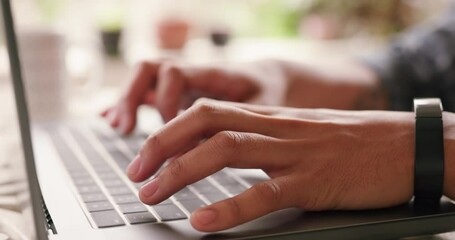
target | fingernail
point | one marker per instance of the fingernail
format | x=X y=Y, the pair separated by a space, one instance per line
x=204 y=216
x=133 y=168
x=150 y=188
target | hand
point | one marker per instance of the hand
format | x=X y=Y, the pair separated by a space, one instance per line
x=317 y=159
x=170 y=86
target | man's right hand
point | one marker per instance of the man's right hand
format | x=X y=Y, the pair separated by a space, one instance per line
x=170 y=86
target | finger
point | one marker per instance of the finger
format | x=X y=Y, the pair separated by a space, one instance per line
x=259 y=109
x=170 y=90
x=113 y=118
x=141 y=83
x=150 y=98
x=259 y=200
x=145 y=78
x=177 y=82
x=195 y=125
x=105 y=112
x=225 y=149
x=221 y=82
x=303 y=114
x=127 y=118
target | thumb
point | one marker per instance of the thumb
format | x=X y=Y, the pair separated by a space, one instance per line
x=259 y=200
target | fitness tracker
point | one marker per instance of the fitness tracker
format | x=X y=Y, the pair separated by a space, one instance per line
x=429 y=153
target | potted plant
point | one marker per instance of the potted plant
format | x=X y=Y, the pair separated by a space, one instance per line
x=110 y=23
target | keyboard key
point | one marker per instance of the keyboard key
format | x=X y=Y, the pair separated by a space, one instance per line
x=169 y=212
x=214 y=192
x=138 y=185
x=93 y=156
x=202 y=183
x=103 y=136
x=107 y=218
x=119 y=156
x=132 y=207
x=140 y=135
x=122 y=190
x=215 y=197
x=121 y=159
x=235 y=189
x=74 y=167
x=167 y=201
x=123 y=165
x=88 y=189
x=141 y=217
x=79 y=174
x=93 y=197
x=134 y=145
x=204 y=186
x=192 y=204
x=108 y=175
x=127 y=198
x=83 y=181
x=103 y=168
x=99 y=206
x=185 y=193
x=114 y=182
x=224 y=179
x=110 y=145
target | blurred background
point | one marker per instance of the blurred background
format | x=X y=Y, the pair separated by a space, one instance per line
x=72 y=50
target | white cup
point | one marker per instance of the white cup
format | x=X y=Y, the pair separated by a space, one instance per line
x=42 y=53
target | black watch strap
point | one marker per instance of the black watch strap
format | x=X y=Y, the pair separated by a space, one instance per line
x=429 y=153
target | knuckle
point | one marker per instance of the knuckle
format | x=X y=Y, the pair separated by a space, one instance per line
x=205 y=112
x=228 y=140
x=202 y=100
x=153 y=143
x=270 y=191
x=234 y=207
x=205 y=107
x=169 y=69
x=175 y=169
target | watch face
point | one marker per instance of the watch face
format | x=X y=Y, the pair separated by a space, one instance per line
x=428 y=107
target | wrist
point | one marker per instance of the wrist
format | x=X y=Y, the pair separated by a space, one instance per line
x=351 y=86
x=449 y=154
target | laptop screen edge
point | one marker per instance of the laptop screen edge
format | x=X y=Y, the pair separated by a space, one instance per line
x=22 y=113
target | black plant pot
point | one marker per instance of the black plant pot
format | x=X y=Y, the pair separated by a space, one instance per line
x=220 y=38
x=111 y=41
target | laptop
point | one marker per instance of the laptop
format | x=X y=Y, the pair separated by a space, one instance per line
x=79 y=190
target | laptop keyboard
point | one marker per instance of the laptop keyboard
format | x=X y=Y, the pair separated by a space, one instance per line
x=96 y=160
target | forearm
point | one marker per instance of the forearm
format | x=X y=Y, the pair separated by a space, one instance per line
x=350 y=87
x=449 y=154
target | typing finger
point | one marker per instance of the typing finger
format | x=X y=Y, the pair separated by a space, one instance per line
x=259 y=200
x=142 y=82
x=199 y=122
x=178 y=82
x=225 y=149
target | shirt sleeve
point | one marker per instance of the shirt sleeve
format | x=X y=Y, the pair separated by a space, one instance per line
x=420 y=63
